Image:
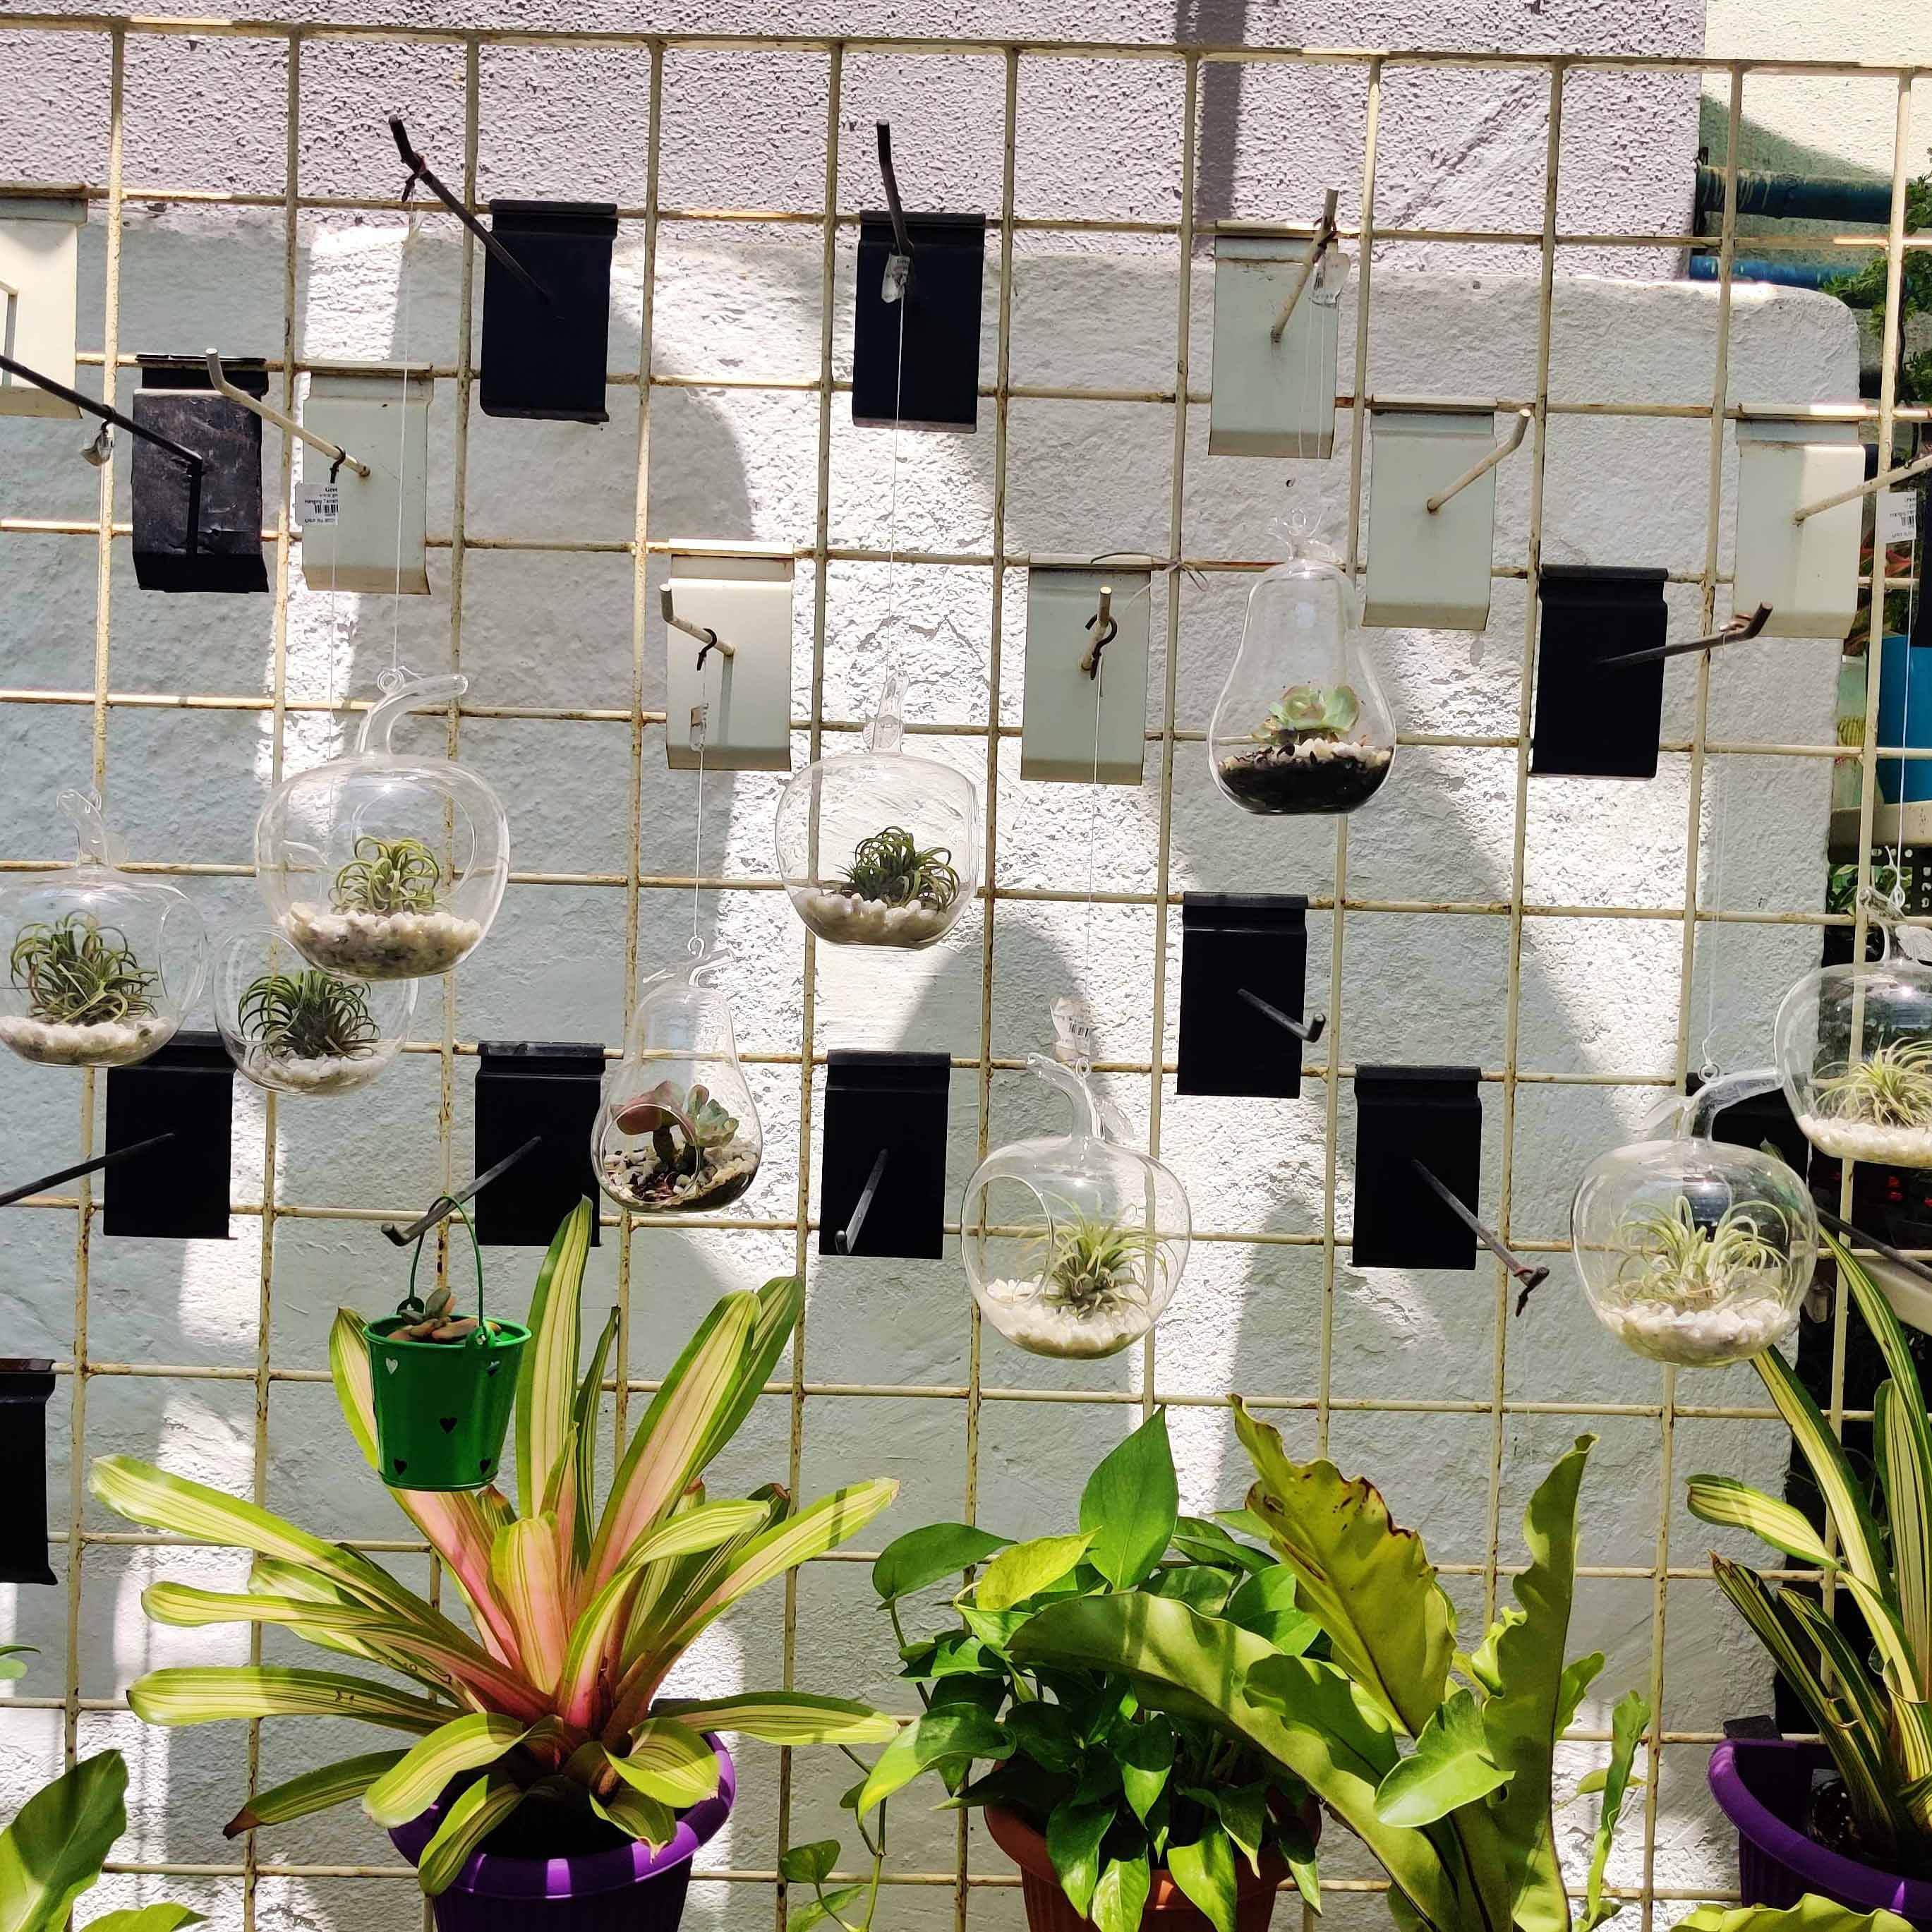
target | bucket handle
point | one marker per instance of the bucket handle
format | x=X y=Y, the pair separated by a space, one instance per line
x=412 y=1303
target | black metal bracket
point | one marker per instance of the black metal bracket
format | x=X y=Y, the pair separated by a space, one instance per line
x=420 y=171
x=1529 y=1276
x=1309 y=1030
x=1734 y=632
x=847 y=1238
x=901 y=261
x=1897 y=1257
x=74 y=1173
x=445 y=1205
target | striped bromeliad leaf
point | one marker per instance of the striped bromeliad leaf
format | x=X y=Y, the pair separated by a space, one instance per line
x=576 y=1623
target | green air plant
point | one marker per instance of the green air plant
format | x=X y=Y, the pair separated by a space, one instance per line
x=76 y=972
x=310 y=1016
x=1669 y=1258
x=1116 y=1784
x=581 y=1612
x=891 y=866
x=1306 y=712
x=1095 y=1266
x=1872 y=1700
x=1890 y=1086
x=388 y=875
x=1440 y=1760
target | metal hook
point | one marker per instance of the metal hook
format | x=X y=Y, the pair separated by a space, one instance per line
x=1319 y=245
x=1530 y=1277
x=1109 y=631
x=1523 y=418
x=707 y=637
x=445 y=1205
x=419 y=171
x=99 y=1161
x=898 y=264
x=1734 y=632
x=1846 y=1232
x=1884 y=480
x=1309 y=1030
x=254 y=405
x=101 y=449
x=107 y=415
x=847 y=1238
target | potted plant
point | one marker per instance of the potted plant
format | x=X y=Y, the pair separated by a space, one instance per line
x=547 y=1776
x=1311 y=758
x=1114 y=1811
x=385 y=916
x=1448 y=1783
x=90 y=1001
x=1865 y=1838
x=694 y=1157
x=895 y=892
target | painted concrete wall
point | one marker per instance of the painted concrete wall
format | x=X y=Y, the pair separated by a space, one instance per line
x=1598 y=994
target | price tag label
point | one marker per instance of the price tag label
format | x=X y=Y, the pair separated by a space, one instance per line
x=1073 y=1032
x=1897 y=517
x=318 y=503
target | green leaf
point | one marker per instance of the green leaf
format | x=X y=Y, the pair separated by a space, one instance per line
x=1131 y=1505
x=922 y=1557
x=1144 y=1752
x=815 y=1911
x=58 y=1842
x=1073 y=1835
x=473 y=1814
x=1367 y=1583
x=1297 y=1845
x=547 y=1371
x=809 y=1864
x=670 y=1761
x=952 y=1734
x=1025 y=1569
x=1811 y=1914
x=1200 y=1586
x=1732 y=1504
x=1578 y=1674
x=783 y=1717
x=1045 y=1733
x=462 y=1745
x=583 y=1421
x=1121 y=1896
x=638 y=1814
x=1204 y=1871
x=11 y=1665
x=316 y=1790
x=1449 y=1766
x=1203 y=1540
x=207 y=1693
x=1264 y=1603
x=164 y=1917
x=1628 y=1720
x=1243 y=1812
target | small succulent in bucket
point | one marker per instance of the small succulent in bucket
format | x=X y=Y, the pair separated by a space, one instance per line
x=693 y=1157
x=1311 y=758
x=438 y=1321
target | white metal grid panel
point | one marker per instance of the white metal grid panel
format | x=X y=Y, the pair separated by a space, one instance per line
x=1493 y=1439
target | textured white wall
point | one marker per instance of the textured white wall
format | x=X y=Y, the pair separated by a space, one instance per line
x=1596 y=995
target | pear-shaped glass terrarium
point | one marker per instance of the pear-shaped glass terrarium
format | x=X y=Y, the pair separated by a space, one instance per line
x=878 y=847
x=296 y=1028
x=101 y=967
x=677 y=1131
x=383 y=866
x=1854 y=1057
x=1301 y=725
x=1694 y=1251
x=1074 y=1243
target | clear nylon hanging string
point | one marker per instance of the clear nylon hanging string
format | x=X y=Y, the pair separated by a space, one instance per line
x=393 y=677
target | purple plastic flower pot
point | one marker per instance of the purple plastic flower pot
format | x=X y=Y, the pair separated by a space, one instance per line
x=628 y=1889
x=1764 y=1785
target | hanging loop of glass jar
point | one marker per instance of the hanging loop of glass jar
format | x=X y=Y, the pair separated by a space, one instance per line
x=880 y=847
x=102 y=966
x=677 y=1130
x=1074 y=1243
x=382 y=866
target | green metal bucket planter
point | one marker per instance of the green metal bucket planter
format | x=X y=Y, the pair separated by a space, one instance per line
x=442 y=1409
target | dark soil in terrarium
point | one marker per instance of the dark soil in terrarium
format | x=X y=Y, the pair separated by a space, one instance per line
x=1274 y=780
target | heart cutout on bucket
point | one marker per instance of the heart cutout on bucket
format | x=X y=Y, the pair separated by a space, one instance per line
x=392 y=1364
x=448 y=1425
x=492 y=1367
x=401 y=1465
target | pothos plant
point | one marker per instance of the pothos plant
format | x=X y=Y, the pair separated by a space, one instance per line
x=556 y=1702
x=1119 y=1787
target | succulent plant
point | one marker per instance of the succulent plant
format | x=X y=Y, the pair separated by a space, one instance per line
x=76 y=972
x=891 y=866
x=388 y=875
x=1891 y=1087
x=311 y=1016
x=1309 y=711
x=1093 y=1265
x=686 y=1125
x=438 y=1321
x=1672 y=1258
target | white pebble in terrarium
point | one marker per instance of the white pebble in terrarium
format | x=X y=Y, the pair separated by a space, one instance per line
x=690 y=1155
x=383 y=920
x=89 y=999
x=294 y=1028
x=1878 y=1109
x=1100 y=1286
x=1855 y=1056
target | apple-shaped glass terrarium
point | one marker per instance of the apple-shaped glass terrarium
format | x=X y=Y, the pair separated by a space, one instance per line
x=676 y=1132
x=880 y=847
x=381 y=866
x=1854 y=1046
x=1694 y=1251
x=102 y=966
x=1074 y=1243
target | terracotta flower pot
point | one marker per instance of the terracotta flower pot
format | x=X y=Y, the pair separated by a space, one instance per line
x=1168 y=1908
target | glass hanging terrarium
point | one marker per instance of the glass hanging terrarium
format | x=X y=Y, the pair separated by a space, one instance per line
x=677 y=1131
x=102 y=966
x=382 y=866
x=1074 y=1243
x=878 y=847
x=296 y=1028
x=1854 y=1046
x=1692 y=1250
x=1301 y=725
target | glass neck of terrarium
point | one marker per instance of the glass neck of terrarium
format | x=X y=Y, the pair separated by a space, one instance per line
x=97 y=845
x=1079 y=1095
x=420 y=694
x=1695 y=1114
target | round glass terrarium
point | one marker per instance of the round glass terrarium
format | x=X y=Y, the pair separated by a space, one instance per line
x=878 y=847
x=381 y=866
x=102 y=966
x=1301 y=725
x=677 y=1131
x=1854 y=1057
x=1694 y=1251
x=1074 y=1243
x=296 y=1028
